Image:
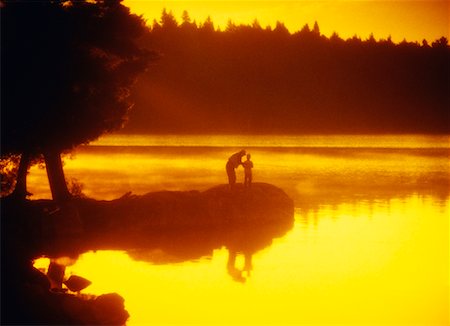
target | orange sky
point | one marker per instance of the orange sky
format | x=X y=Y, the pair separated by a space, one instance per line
x=402 y=19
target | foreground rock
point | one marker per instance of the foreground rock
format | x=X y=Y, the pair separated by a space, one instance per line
x=28 y=300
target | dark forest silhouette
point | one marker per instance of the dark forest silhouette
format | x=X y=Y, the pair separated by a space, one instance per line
x=250 y=79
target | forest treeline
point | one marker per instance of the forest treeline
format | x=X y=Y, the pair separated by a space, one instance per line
x=250 y=79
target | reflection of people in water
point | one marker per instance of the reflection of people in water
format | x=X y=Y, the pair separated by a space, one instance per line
x=236 y=273
x=248 y=165
x=248 y=265
x=233 y=162
x=55 y=275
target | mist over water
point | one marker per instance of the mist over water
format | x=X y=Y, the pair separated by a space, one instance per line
x=369 y=244
x=304 y=166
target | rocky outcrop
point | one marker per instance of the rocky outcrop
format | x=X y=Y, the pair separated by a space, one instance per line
x=216 y=207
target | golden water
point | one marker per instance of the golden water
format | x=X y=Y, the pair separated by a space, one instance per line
x=370 y=243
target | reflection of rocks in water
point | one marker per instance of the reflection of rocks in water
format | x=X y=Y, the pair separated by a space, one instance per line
x=77 y=283
x=178 y=246
x=174 y=246
x=160 y=227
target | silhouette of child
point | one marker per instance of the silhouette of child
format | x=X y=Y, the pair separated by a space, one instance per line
x=248 y=165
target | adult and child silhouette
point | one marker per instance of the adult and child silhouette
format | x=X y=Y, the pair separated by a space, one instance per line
x=233 y=163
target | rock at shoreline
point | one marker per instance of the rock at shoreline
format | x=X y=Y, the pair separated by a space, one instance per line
x=216 y=207
x=28 y=300
x=29 y=224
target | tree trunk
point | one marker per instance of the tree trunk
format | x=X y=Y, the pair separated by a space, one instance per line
x=55 y=173
x=20 y=190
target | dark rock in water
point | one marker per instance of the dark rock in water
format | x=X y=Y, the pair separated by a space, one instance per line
x=77 y=283
x=262 y=203
x=216 y=207
x=32 y=224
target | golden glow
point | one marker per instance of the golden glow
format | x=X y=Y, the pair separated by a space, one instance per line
x=381 y=263
x=339 y=141
x=301 y=165
x=413 y=20
x=369 y=245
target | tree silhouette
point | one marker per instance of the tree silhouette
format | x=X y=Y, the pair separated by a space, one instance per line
x=281 y=29
x=316 y=29
x=185 y=18
x=67 y=68
x=441 y=43
x=207 y=25
x=168 y=20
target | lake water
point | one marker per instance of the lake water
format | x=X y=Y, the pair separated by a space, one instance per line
x=369 y=246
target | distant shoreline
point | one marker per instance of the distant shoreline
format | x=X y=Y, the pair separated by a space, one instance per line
x=277 y=140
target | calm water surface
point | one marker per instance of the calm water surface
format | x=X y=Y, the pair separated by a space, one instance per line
x=369 y=245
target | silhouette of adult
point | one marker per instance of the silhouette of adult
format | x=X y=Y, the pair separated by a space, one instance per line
x=233 y=162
